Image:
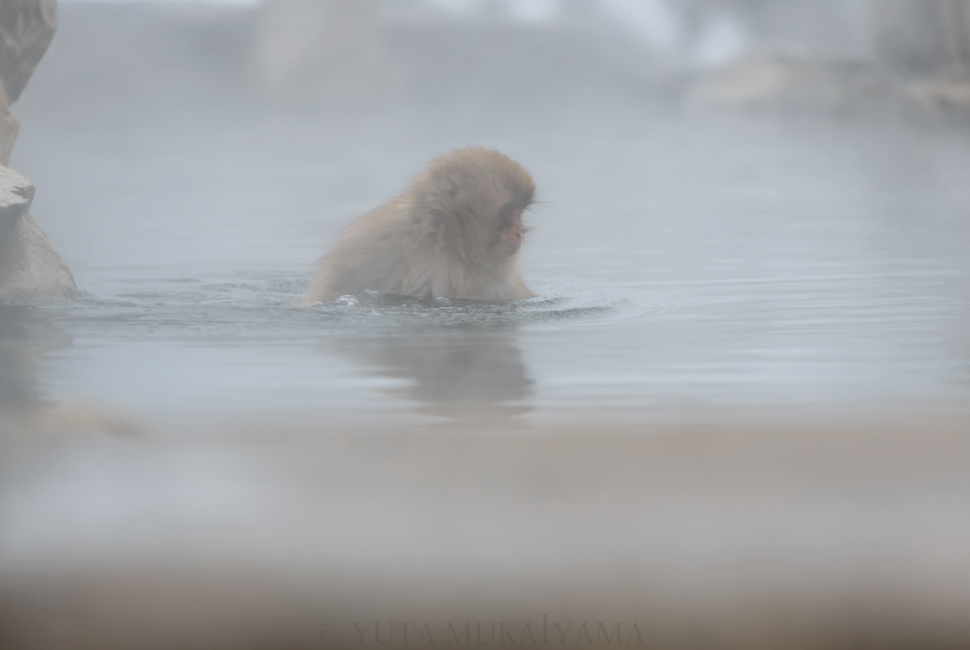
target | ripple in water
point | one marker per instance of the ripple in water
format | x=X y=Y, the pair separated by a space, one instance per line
x=266 y=309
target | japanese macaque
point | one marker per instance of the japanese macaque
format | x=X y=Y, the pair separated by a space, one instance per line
x=454 y=234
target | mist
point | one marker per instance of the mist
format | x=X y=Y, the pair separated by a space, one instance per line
x=734 y=415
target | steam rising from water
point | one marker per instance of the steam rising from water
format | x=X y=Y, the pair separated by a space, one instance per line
x=380 y=457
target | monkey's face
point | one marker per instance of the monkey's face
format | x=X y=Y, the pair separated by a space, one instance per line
x=490 y=221
x=510 y=231
x=477 y=197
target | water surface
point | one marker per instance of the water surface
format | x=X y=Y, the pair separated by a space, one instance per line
x=684 y=265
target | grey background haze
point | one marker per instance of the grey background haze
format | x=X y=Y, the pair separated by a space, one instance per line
x=735 y=414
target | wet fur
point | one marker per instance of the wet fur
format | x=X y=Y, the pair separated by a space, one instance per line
x=438 y=239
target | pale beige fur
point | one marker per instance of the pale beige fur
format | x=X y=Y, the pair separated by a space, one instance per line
x=438 y=239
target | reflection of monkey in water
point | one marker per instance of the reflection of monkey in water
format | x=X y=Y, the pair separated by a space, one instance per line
x=465 y=374
x=454 y=234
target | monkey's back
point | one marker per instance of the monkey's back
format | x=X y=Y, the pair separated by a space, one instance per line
x=383 y=250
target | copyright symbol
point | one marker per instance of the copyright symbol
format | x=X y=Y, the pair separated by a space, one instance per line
x=325 y=634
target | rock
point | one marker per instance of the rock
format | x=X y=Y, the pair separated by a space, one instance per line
x=780 y=81
x=30 y=268
x=939 y=100
x=925 y=44
x=16 y=193
x=921 y=38
x=26 y=29
x=9 y=128
x=323 y=50
x=919 y=64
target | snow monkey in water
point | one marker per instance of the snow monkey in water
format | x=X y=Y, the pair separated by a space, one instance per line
x=454 y=234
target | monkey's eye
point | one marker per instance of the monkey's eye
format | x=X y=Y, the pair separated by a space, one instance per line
x=508 y=213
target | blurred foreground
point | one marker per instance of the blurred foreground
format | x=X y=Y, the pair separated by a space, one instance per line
x=754 y=535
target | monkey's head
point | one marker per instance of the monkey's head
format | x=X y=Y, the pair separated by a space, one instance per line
x=476 y=197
